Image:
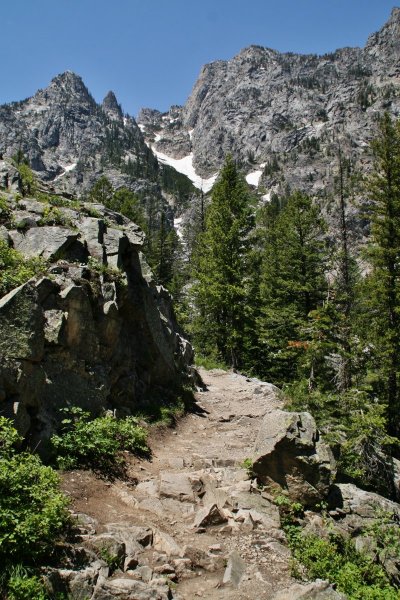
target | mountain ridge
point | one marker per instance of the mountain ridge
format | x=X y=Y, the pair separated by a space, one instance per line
x=264 y=104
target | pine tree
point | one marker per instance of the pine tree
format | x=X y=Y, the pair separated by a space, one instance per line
x=102 y=191
x=384 y=254
x=293 y=285
x=220 y=271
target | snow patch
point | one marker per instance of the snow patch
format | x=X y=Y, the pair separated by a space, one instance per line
x=253 y=178
x=70 y=167
x=185 y=166
x=67 y=169
x=190 y=132
x=178 y=227
x=266 y=197
x=140 y=125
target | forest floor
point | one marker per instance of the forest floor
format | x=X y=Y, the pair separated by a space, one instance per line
x=193 y=466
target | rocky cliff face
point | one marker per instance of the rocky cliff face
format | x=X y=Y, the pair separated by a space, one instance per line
x=282 y=115
x=93 y=330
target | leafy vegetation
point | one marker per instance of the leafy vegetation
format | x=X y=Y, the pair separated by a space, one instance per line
x=32 y=508
x=15 y=269
x=337 y=560
x=97 y=443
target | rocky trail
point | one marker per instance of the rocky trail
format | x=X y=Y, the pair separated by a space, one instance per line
x=189 y=522
x=195 y=467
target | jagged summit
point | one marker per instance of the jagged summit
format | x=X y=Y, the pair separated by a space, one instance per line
x=69 y=82
x=111 y=107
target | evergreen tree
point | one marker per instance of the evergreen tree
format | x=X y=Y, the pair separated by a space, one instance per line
x=128 y=204
x=102 y=191
x=293 y=284
x=220 y=271
x=383 y=284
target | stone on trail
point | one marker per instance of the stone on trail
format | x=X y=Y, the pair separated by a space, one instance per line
x=235 y=570
x=129 y=589
x=290 y=455
x=163 y=542
x=176 y=485
x=317 y=590
x=210 y=515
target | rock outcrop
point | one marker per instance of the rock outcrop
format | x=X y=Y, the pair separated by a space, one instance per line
x=94 y=330
x=289 y=455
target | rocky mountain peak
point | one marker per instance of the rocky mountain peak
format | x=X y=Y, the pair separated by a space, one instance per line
x=111 y=107
x=69 y=83
x=263 y=105
x=385 y=43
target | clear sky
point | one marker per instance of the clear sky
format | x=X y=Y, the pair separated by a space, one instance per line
x=149 y=52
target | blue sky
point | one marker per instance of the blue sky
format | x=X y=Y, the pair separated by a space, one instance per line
x=150 y=52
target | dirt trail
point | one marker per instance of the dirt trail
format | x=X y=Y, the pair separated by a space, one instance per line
x=194 y=466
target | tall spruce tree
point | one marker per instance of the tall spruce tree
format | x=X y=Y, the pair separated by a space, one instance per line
x=383 y=283
x=293 y=285
x=220 y=272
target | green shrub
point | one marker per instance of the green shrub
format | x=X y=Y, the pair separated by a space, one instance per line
x=52 y=215
x=32 y=508
x=209 y=362
x=4 y=210
x=338 y=561
x=15 y=269
x=28 y=179
x=97 y=443
x=23 y=585
x=9 y=438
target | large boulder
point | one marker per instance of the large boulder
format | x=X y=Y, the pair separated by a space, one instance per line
x=47 y=242
x=290 y=456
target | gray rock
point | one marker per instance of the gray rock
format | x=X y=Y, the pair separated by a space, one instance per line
x=318 y=590
x=235 y=570
x=290 y=455
x=129 y=589
x=48 y=242
x=130 y=534
x=360 y=504
x=210 y=515
x=21 y=324
x=163 y=542
x=4 y=237
x=205 y=560
x=9 y=177
x=177 y=485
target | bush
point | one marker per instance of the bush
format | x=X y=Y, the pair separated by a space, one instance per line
x=32 y=508
x=338 y=561
x=209 y=362
x=52 y=215
x=15 y=269
x=23 y=585
x=97 y=443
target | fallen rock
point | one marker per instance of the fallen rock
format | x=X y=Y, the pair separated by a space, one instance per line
x=163 y=542
x=235 y=570
x=131 y=589
x=204 y=560
x=318 y=590
x=180 y=486
x=129 y=534
x=290 y=455
x=210 y=515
